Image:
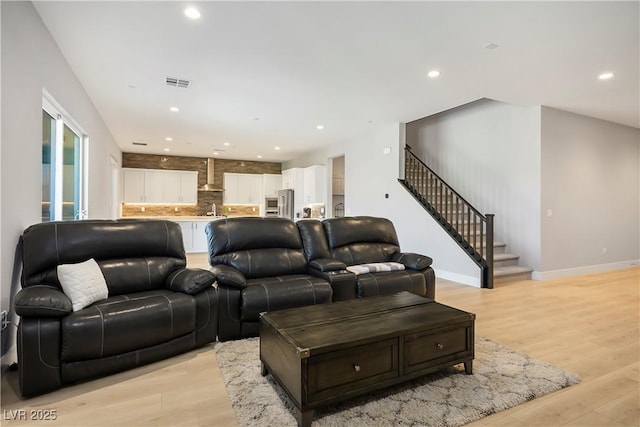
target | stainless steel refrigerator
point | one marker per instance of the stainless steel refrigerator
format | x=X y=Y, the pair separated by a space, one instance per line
x=285 y=204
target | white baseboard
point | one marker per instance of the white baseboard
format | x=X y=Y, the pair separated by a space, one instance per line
x=579 y=271
x=458 y=278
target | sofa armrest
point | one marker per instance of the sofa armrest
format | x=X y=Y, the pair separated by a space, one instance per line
x=42 y=301
x=327 y=264
x=229 y=276
x=343 y=283
x=412 y=261
x=189 y=280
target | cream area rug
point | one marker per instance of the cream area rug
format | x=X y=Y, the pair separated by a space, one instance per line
x=502 y=378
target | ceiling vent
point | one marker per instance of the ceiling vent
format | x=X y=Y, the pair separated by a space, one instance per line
x=144 y=144
x=175 y=82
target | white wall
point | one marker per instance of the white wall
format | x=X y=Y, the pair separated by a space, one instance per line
x=369 y=175
x=489 y=152
x=31 y=62
x=590 y=182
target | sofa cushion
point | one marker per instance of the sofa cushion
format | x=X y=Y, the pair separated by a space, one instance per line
x=364 y=253
x=375 y=267
x=47 y=245
x=278 y=293
x=257 y=247
x=127 y=275
x=265 y=262
x=125 y=323
x=83 y=283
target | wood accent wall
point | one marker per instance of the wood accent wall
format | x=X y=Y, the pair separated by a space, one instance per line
x=205 y=198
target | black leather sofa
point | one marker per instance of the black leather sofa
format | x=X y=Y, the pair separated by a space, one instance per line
x=260 y=265
x=156 y=308
x=336 y=244
x=264 y=264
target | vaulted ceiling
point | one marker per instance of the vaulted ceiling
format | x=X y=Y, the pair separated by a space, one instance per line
x=267 y=74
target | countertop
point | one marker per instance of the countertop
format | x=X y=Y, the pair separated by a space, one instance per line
x=178 y=217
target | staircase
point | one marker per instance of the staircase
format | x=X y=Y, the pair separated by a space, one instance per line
x=470 y=229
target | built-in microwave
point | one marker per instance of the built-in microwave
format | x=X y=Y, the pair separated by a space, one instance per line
x=271 y=204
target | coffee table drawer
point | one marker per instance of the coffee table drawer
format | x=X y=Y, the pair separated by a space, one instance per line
x=344 y=370
x=425 y=348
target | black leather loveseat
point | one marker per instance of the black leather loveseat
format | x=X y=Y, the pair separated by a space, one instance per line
x=368 y=247
x=265 y=264
x=259 y=264
x=155 y=307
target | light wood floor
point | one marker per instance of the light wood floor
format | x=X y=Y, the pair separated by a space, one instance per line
x=588 y=325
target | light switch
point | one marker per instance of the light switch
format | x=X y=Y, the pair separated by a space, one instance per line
x=549 y=213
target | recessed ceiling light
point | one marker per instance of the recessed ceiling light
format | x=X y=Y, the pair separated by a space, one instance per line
x=605 y=76
x=490 y=46
x=227 y=143
x=192 y=12
x=319 y=127
x=166 y=149
x=174 y=109
x=215 y=153
x=276 y=148
x=168 y=138
x=131 y=86
x=433 y=73
x=259 y=156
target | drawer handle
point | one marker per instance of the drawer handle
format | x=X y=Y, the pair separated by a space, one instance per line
x=440 y=346
x=356 y=368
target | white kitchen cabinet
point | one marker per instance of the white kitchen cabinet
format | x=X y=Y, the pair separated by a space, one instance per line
x=154 y=186
x=290 y=178
x=250 y=189
x=133 y=191
x=181 y=187
x=187 y=235
x=243 y=189
x=315 y=184
x=230 y=188
x=272 y=183
x=200 y=237
x=147 y=186
x=194 y=236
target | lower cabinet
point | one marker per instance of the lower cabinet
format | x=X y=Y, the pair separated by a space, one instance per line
x=194 y=236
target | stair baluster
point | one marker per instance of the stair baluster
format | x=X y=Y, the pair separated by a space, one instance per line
x=440 y=200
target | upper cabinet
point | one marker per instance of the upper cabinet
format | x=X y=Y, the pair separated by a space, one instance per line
x=147 y=186
x=272 y=183
x=133 y=190
x=181 y=186
x=315 y=184
x=243 y=189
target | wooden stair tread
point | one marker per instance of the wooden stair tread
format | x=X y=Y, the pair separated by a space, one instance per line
x=506 y=271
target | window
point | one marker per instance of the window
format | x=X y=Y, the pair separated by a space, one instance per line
x=64 y=178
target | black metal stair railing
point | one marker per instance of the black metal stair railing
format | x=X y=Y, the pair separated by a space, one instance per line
x=470 y=229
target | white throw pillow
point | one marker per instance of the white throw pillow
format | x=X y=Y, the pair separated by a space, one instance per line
x=83 y=283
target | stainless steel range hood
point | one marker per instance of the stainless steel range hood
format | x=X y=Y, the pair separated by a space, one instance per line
x=209 y=186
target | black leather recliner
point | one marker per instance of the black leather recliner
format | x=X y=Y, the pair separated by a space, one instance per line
x=339 y=243
x=260 y=266
x=156 y=307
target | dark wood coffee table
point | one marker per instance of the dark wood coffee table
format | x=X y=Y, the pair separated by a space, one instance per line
x=329 y=352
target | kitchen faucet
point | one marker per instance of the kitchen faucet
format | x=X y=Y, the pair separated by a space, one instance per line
x=213 y=209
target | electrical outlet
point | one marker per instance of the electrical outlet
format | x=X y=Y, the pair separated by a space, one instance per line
x=4 y=319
